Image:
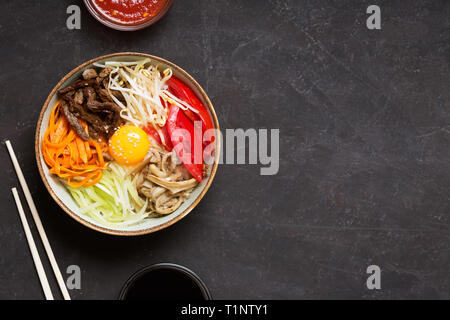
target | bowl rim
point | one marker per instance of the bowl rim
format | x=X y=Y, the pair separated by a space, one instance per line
x=166 y=266
x=127 y=27
x=127 y=232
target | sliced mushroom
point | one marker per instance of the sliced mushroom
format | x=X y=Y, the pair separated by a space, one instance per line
x=173 y=187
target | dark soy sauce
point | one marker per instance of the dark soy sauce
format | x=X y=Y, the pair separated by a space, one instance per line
x=164 y=284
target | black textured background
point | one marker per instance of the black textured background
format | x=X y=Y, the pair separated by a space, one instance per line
x=364 y=139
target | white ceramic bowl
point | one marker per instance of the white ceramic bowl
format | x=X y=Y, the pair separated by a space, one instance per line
x=63 y=197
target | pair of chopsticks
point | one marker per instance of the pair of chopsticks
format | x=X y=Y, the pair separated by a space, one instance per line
x=37 y=221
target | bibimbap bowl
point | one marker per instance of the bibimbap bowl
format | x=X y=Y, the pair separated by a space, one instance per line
x=60 y=193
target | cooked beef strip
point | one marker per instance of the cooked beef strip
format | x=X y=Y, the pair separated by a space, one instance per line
x=81 y=112
x=102 y=77
x=105 y=72
x=108 y=107
x=79 y=98
x=119 y=96
x=94 y=121
x=89 y=74
x=74 y=122
x=89 y=100
x=77 y=84
x=70 y=94
x=115 y=93
x=97 y=106
x=90 y=94
x=93 y=133
x=102 y=93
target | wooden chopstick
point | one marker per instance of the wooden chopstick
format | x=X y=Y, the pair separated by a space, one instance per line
x=35 y=254
x=38 y=223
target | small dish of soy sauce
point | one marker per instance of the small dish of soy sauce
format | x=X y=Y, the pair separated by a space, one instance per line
x=164 y=281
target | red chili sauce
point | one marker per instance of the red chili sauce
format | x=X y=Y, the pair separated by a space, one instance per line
x=131 y=12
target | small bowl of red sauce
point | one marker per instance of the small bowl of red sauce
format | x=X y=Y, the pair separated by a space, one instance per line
x=128 y=15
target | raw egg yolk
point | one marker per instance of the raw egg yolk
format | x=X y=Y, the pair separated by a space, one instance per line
x=129 y=145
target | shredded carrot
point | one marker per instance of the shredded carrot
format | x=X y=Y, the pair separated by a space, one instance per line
x=81 y=151
x=88 y=150
x=79 y=162
x=61 y=128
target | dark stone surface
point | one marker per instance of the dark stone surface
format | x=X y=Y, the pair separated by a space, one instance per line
x=364 y=139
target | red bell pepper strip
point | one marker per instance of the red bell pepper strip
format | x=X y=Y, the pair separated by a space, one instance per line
x=187 y=142
x=167 y=139
x=183 y=92
x=153 y=133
